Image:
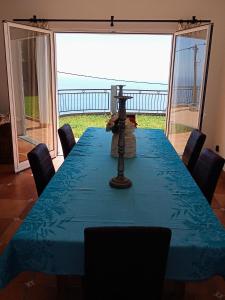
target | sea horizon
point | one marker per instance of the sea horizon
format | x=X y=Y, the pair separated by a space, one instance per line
x=67 y=81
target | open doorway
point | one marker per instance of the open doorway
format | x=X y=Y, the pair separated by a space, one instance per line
x=90 y=66
x=191 y=52
x=31 y=82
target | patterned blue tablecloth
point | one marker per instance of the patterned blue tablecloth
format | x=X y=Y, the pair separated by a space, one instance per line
x=163 y=194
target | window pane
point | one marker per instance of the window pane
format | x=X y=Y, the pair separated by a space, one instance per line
x=190 y=52
x=31 y=65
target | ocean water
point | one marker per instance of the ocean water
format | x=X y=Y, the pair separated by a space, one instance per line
x=71 y=102
x=78 y=82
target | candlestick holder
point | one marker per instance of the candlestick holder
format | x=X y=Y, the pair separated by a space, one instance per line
x=120 y=181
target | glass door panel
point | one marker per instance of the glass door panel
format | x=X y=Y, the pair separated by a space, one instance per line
x=188 y=83
x=32 y=100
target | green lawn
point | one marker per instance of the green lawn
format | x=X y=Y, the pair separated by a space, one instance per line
x=31 y=106
x=180 y=128
x=79 y=123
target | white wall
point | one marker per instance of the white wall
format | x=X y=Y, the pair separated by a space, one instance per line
x=214 y=123
x=219 y=117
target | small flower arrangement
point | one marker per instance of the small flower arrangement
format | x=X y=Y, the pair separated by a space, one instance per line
x=130 y=140
x=113 y=123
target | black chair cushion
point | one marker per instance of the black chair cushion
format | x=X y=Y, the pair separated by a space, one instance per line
x=125 y=262
x=67 y=139
x=41 y=166
x=207 y=171
x=193 y=148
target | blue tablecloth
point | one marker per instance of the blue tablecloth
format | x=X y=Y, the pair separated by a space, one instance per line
x=163 y=194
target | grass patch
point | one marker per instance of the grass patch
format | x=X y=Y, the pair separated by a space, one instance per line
x=151 y=121
x=80 y=123
x=31 y=106
x=180 y=128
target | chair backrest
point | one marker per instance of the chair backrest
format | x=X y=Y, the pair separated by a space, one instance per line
x=193 y=148
x=125 y=262
x=207 y=171
x=67 y=139
x=41 y=166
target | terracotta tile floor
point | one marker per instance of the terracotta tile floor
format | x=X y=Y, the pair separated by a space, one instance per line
x=35 y=132
x=18 y=194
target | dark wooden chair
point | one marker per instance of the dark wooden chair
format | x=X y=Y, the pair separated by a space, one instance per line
x=207 y=171
x=41 y=166
x=6 y=146
x=67 y=139
x=125 y=262
x=193 y=148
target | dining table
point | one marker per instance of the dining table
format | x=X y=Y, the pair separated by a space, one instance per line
x=163 y=194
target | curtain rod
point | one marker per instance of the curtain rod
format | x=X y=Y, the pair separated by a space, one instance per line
x=112 y=20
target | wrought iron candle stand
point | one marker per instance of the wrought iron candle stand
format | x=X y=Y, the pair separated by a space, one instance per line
x=120 y=181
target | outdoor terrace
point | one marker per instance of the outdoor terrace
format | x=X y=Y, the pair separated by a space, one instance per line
x=82 y=108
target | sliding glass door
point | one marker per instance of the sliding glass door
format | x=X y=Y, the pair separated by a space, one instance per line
x=188 y=83
x=30 y=67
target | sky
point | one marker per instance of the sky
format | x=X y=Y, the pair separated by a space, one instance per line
x=137 y=57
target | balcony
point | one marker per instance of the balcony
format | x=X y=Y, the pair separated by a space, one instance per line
x=78 y=101
x=87 y=107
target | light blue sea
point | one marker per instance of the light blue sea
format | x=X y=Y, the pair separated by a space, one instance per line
x=71 y=102
x=79 y=82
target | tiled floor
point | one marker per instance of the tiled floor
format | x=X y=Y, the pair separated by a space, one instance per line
x=34 y=133
x=18 y=194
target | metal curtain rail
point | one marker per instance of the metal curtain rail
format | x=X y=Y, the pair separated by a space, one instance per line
x=112 y=20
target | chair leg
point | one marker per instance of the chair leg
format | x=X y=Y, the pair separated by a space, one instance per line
x=68 y=285
x=174 y=290
x=62 y=291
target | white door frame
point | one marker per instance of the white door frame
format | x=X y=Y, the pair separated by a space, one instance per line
x=209 y=28
x=19 y=166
